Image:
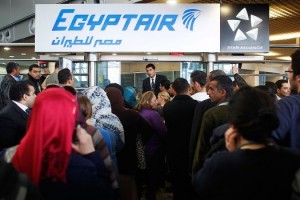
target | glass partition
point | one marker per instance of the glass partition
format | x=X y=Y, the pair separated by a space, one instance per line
x=187 y=68
x=108 y=72
x=81 y=75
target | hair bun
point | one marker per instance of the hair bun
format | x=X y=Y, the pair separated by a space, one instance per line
x=265 y=112
x=269 y=116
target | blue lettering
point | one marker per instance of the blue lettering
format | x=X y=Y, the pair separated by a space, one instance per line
x=144 y=20
x=68 y=20
x=59 y=19
x=93 y=23
x=168 y=21
x=155 y=22
x=78 y=26
x=128 y=20
x=111 y=20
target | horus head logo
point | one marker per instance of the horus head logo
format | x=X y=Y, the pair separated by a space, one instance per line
x=189 y=17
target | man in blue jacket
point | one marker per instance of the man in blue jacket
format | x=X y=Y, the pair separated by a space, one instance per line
x=288 y=109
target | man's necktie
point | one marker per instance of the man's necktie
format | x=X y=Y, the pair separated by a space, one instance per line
x=152 y=84
x=28 y=111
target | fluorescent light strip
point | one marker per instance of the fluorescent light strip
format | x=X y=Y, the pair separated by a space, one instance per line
x=284 y=36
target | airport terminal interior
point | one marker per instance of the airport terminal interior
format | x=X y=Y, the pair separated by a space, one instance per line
x=127 y=68
x=17 y=26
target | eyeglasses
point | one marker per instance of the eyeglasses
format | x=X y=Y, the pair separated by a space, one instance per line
x=289 y=71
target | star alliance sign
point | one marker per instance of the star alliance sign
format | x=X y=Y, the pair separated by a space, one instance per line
x=240 y=35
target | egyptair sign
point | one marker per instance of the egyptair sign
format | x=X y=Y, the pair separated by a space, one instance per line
x=127 y=28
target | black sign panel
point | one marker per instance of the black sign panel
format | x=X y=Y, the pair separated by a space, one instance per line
x=244 y=28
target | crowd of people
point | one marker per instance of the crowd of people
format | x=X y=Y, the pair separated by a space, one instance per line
x=212 y=138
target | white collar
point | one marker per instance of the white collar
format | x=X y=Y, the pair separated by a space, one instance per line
x=22 y=106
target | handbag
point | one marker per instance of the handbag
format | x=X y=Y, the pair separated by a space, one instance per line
x=140 y=153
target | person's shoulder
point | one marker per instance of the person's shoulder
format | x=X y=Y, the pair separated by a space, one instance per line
x=9 y=108
x=161 y=76
x=289 y=101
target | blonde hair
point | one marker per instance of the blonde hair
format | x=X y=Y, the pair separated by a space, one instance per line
x=165 y=96
x=144 y=101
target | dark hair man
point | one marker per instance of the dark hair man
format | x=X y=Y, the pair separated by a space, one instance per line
x=13 y=71
x=164 y=85
x=65 y=77
x=288 y=109
x=220 y=90
x=13 y=117
x=33 y=77
x=283 y=89
x=198 y=82
x=178 y=115
x=153 y=81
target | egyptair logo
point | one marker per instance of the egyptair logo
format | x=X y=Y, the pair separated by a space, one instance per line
x=189 y=17
x=243 y=16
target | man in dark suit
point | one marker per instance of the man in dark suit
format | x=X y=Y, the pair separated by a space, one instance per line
x=13 y=117
x=153 y=81
x=178 y=115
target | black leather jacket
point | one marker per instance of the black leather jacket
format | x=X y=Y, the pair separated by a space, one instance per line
x=6 y=84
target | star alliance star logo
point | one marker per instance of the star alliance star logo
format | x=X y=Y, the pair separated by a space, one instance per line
x=240 y=35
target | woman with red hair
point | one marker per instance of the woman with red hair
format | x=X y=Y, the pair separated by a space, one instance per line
x=57 y=154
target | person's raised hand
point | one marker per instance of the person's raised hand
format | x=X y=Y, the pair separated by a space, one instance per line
x=85 y=143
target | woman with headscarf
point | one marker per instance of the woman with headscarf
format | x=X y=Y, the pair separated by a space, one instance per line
x=86 y=109
x=130 y=96
x=57 y=154
x=133 y=125
x=102 y=116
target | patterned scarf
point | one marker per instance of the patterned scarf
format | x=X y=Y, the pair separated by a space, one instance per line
x=102 y=116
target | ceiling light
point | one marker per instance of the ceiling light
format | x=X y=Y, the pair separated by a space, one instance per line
x=32 y=58
x=23 y=54
x=11 y=56
x=114 y=54
x=6 y=48
x=284 y=36
x=148 y=53
x=171 y=1
x=284 y=58
x=57 y=54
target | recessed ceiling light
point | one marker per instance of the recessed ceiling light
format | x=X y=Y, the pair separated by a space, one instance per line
x=32 y=57
x=23 y=54
x=6 y=48
x=171 y=1
x=149 y=53
x=114 y=54
x=57 y=54
x=11 y=56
